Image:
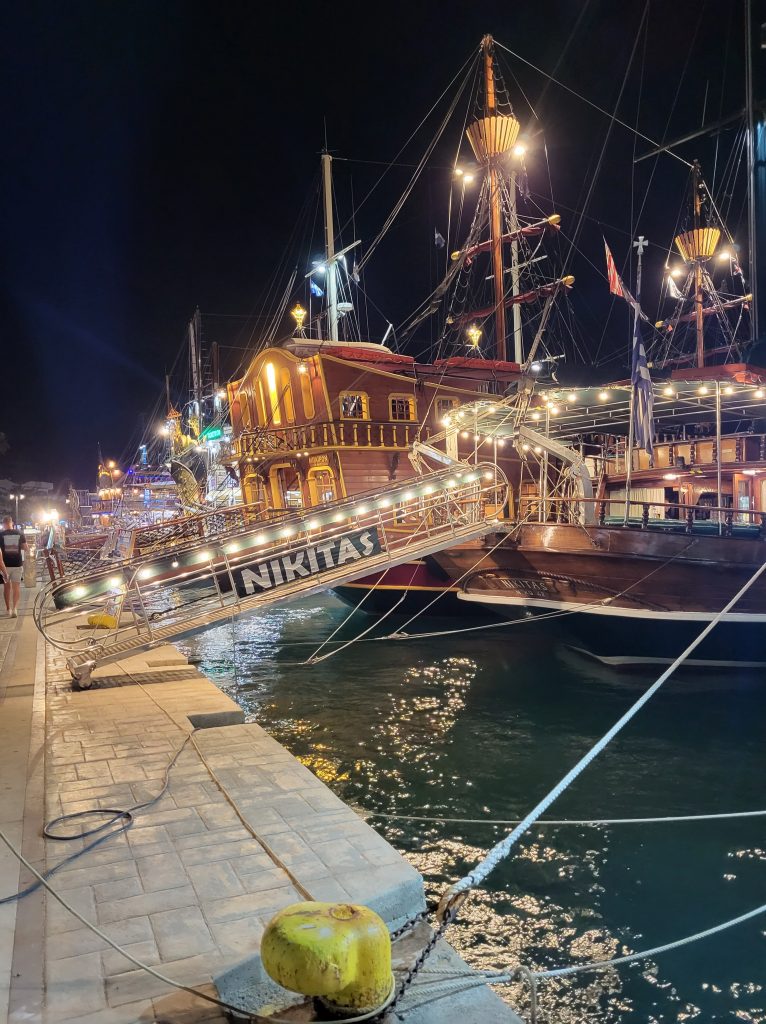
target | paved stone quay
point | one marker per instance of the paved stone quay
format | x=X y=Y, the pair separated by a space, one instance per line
x=242 y=830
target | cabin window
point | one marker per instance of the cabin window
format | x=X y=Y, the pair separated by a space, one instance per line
x=261 y=416
x=402 y=407
x=354 y=405
x=275 y=413
x=307 y=396
x=286 y=490
x=444 y=407
x=287 y=396
x=321 y=481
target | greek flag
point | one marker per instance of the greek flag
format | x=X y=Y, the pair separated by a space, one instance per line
x=643 y=398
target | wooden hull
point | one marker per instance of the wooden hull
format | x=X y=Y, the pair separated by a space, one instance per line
x=407 y=590
x=626 y=595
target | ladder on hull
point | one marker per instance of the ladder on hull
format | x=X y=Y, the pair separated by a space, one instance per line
x=179 y=591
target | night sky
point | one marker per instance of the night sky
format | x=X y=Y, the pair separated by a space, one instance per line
x=157 y=155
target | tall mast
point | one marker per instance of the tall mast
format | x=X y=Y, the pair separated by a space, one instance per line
x=495 y=222
x=329 y=230
x=751 y=168
x=699 y=317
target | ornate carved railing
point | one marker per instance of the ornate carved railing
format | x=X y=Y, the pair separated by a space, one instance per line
x=331 y=434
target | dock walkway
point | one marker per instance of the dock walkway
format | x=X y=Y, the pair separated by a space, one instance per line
x=243 y=830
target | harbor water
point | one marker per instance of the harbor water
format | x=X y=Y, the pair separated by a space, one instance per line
x=480 y=725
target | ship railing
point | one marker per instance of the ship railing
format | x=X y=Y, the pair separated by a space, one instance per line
x=350 y=433
x=673 y=516
x=153 y=599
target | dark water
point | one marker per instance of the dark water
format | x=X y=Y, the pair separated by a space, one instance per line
x=481 y=726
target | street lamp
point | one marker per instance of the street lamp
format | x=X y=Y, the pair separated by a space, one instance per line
x=17 y=498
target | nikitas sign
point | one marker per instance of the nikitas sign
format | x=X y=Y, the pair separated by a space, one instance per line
x=309 y=561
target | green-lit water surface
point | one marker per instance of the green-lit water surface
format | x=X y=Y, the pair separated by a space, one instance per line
x=482 y=725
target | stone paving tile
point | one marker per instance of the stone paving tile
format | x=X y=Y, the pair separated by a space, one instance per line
x=266 y=902
x=181 y=933
x=149 y=903
x=113 y=962
x=218 y=815
x=75 y=985
x=75 y=877
x=83 y=940
x=133 y=985
x=268 y=878
x=192 y=842
x=140 y=1012
x=236 y=939
x=164 y=871
x=58 y=919
x=117 y=890
x=214 y=881
x=224 y=851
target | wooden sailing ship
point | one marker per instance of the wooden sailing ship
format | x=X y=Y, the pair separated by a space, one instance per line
x=669 y=536
x=320 y=417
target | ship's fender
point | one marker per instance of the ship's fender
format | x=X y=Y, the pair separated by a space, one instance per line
x=102 y=621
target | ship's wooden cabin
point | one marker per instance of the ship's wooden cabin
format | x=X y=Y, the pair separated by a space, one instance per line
x=683 y=472
x=316 y=421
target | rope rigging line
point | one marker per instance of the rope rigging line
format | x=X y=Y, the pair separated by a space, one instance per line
x=473 y=56
x=413 y=180
x=501 y=850
x=577 y=822
x=585 y=99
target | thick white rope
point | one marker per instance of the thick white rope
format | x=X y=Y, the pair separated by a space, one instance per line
x=584 y=822
x=501 y=850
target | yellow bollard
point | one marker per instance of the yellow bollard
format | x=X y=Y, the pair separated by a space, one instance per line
x=338 y=951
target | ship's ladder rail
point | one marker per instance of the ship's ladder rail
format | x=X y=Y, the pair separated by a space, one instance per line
x=169 y=595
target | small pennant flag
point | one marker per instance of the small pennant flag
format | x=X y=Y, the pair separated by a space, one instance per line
x=439 y=240
x=315 y=289
x=673 y=290
x=355 y=274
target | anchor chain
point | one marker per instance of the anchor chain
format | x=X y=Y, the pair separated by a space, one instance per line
x=416 y=966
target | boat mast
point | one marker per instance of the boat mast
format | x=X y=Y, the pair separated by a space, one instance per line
x=495 y=223
x=699 y=316
x=329 y=230
x=751 y=168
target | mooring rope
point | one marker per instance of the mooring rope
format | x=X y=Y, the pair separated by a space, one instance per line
x=501 y=850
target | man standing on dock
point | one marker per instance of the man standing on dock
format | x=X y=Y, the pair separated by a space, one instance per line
x=13 y=544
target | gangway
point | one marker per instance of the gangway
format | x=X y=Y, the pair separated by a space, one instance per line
x=173 y=593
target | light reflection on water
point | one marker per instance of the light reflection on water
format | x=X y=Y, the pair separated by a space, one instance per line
x=482 y=726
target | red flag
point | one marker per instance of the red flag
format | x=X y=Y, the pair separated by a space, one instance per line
x=616 y=287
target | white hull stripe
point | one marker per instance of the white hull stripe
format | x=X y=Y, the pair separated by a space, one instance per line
x=611 y=611
x=620 y=659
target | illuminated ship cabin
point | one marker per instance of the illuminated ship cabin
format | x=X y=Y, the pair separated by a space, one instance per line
x=314 y=421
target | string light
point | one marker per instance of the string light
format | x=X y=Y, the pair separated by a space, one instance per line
x=603 y=396
x=668 y=391
x=728 y=390
x=759 y=393
x=571 y=397
x=702 y=389
x=474 y=332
